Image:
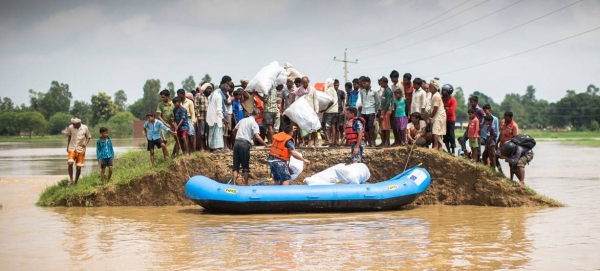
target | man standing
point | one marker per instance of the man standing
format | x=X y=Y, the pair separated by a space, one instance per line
x=386 y=112
x=339 y=130
x=215 y=119
x=271 y=113
x=330 y=117
x=164 y=110
x=78 y=138
x=408 y=91
x=450 y=107
x=244 y=131
x=418 y=98
x=438 y=115
x=313 y=102
x=201 y=108
x=353 y=94
x=191 y=118
x=370 y=105
x=508 y=130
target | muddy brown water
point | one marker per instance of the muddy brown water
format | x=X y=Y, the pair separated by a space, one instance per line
x=417 y=238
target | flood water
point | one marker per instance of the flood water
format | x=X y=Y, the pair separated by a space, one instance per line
x=419 y=238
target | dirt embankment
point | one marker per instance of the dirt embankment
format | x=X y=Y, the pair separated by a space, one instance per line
x=454 y=181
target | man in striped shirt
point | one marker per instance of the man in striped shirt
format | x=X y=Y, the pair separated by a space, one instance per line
x=105 y=154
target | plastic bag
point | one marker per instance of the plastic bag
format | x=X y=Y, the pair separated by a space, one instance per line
x=302 y=114
x=267 y=77
x=293 y=73
x=353 y=174
x=324 y=100
x=296 y=166
x=358 y=101
x=324 y=177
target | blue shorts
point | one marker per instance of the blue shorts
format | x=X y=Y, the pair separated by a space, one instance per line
x=106 y=162
x=358 y=157
x=280 y=171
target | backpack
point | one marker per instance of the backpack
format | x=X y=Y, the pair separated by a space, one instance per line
x=524 y=141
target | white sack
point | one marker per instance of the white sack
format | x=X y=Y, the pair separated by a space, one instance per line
x=302 y=114
x=296 y=166
x=293 y=73
x=327 y=176
x=267 y=77
x=353 y=174
x=324 y=100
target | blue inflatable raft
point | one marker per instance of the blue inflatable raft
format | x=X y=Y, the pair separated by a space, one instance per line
x=398 y=191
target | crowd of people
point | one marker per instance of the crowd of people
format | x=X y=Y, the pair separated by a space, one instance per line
x=229 y=118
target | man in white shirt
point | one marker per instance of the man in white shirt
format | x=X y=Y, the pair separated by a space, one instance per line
x=370 y=105
x=245 y=131
x=313 y=102
x=78 y=138
x=418 y=98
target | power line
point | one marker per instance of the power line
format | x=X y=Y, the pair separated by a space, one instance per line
x=520 y=53
x=481 y=40
x=446 y=31
x=365 y=47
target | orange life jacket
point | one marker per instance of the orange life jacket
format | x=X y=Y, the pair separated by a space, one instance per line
x=351 y=134
x=278 y=149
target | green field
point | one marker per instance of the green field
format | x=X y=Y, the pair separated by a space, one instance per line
x=560 y=135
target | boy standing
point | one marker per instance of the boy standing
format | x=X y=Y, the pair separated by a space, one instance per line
x=78 y=138
x=386 y=112
x=152 y=129
x=355 y=134
x=181 y=127
x=164 y=111
x=490 y=142
x=105 y=153
x=370 y=105
x=473 y=134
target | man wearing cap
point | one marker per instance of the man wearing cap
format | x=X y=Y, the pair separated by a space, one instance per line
x=244 y=81
x=78 y=138
x=245 y=131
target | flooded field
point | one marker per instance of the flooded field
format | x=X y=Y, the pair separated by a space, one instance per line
x=422 y=237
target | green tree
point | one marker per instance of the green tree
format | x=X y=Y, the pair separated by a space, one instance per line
x=578 y=110
x=171 y=88
x=461 y=104
x=32 y=122
x=57 y=99
x=58 y=122
x=594 y=126
x=83 y=110
x=120 y=125
x=206 y=78
x=149 y=101
x=484 y=99
x=35 y=99
x=6 y=104
x=120 y=100
x=103 y=108
x=9 y=124
x=188 y=84
x=592 y=90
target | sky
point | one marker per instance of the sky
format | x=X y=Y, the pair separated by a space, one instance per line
x=105 y=46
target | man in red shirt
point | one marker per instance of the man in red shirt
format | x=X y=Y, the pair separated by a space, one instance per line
x=450 y=106
x=508 y=128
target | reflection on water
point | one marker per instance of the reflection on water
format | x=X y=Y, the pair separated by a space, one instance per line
x=48 y=158
x=418 y=238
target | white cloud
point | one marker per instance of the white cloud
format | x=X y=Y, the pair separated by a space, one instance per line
x=73 y=21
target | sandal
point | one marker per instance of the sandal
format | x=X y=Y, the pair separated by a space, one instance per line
x=516 y=185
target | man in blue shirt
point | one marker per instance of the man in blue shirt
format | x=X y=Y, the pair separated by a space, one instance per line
x=152 y=129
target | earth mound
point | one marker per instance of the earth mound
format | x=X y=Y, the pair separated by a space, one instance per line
x=455 y=181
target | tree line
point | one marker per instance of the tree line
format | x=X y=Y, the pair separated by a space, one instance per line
x=50 y=112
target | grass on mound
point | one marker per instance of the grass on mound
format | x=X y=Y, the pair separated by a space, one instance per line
x=127 y=166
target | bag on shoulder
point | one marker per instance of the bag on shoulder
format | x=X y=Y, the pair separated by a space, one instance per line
x=524 y=141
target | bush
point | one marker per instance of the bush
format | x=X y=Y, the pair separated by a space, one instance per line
x=120 y=125
x=58 y=122
x=594 y=126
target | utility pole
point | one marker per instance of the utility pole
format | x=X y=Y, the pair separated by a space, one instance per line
x=345 y=65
